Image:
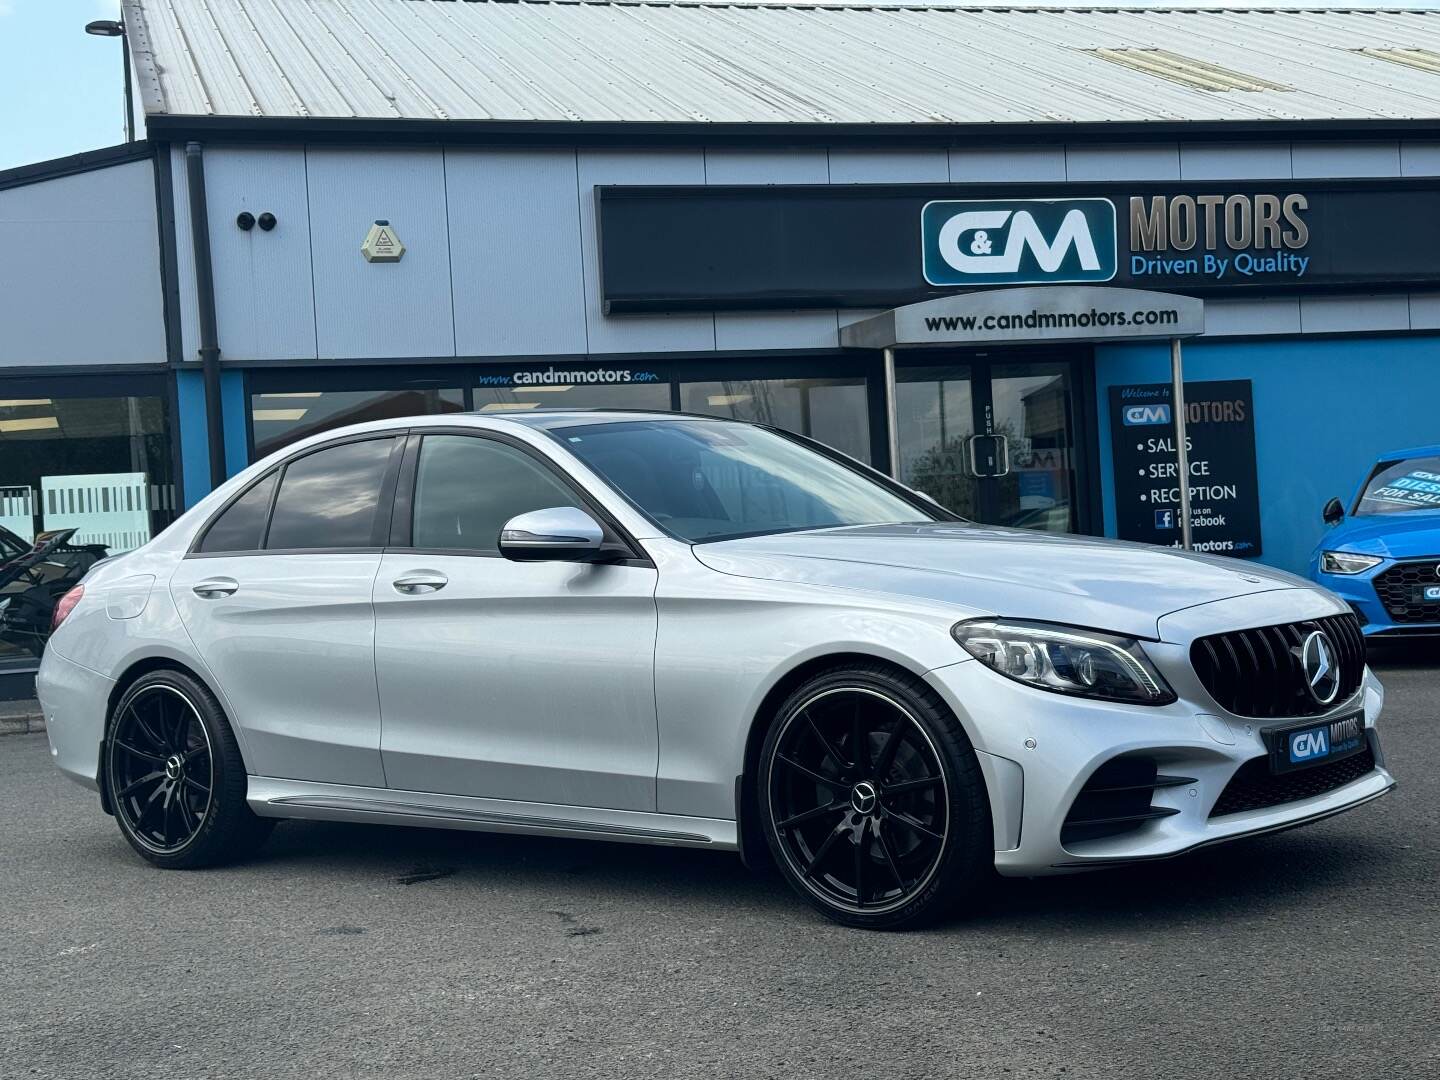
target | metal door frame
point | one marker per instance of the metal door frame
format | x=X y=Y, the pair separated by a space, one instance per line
x=1079 y=359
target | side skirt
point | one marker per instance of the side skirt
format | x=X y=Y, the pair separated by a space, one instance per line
x=278 y=798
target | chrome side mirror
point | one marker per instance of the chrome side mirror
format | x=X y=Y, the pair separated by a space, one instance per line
x=559 y=534
x=1334 y=512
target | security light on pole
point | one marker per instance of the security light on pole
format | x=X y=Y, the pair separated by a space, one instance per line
x=115 y=28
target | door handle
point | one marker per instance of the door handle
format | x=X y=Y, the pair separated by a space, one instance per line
x=420 y=581
x=214 y=588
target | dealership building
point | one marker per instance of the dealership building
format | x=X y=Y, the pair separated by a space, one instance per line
x=954 y=241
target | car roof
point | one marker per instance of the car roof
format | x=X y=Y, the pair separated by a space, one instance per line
x=1414 y=452
x=556 y=418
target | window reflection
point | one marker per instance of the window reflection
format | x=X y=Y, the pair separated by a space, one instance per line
x=80 y=478
x=280 y=418
x=833 y=411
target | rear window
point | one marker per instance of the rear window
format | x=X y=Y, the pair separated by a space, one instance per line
x=242 y=526
x=330 y=499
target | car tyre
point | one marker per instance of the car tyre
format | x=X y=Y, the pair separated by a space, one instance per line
x=175 y=778
x=872 y=801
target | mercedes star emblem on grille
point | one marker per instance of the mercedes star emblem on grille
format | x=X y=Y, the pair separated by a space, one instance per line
x=1317 y=661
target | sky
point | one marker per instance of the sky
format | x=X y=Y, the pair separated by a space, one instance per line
x=61 y=89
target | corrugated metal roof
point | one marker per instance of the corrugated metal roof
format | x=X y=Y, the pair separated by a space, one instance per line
x=887 y=63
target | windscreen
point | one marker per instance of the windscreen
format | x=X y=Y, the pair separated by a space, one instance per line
x=708 y=481
x=1399 y=486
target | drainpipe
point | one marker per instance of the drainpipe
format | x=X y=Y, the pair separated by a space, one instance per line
x=205 y=299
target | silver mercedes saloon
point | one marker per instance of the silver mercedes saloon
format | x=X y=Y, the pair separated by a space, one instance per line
x=665 y=629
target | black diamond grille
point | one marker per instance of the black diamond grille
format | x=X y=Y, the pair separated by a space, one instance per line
x=1254 y=788
x=1398 y=586
x=1255 y=672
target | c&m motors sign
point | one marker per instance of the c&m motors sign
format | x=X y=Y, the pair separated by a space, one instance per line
x=1017 y=242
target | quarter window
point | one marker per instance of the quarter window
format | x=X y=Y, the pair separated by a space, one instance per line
x=242 y=526
x=467 y=488
x=330 y=499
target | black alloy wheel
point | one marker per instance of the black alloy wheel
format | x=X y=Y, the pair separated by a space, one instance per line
x=174 y=775
x=873 y=803
x=161 y=769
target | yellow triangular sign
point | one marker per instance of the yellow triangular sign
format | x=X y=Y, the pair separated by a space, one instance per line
x=381 y=244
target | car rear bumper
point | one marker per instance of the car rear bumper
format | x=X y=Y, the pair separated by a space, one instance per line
x=73 y=699
x=1038 y=750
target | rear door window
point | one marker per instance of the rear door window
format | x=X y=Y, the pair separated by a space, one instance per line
x=331 y=498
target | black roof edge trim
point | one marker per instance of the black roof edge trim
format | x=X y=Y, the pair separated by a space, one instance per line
x=650 y=133
x=87 y=161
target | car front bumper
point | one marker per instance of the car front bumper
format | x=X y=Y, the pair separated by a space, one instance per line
x=1358 y=590
x=1037 y=750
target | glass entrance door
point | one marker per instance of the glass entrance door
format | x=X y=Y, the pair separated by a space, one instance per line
x=992 y=439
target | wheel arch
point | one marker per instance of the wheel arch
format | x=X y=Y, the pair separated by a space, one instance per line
x=754 y=851
x=127 y=678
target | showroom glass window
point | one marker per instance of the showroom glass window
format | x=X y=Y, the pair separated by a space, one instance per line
x=84 y=473
x=280 y=417
x=581 y=388
x=833 y=411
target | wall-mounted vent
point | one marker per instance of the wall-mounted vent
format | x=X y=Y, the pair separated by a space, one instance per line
x=1185 y=70
x=1423 y=59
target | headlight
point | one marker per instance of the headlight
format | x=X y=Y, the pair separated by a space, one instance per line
x=1065 y=660
x=1343 y=562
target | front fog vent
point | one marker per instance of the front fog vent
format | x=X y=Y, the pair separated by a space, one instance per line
x=1196 y=74
x=1423 y=59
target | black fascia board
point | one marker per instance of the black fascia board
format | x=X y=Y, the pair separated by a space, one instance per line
x=88 y=161
x=686 y=133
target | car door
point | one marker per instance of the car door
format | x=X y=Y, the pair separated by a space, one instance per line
x=276 y=598
x=521 y=681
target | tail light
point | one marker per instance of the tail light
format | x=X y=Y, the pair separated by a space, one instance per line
x=65 y=606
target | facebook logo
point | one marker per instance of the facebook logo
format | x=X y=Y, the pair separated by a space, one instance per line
x=1164 y=519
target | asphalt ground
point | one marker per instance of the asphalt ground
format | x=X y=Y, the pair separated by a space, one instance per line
x=371 y=951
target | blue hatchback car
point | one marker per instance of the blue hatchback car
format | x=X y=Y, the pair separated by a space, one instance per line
x=1383 y=556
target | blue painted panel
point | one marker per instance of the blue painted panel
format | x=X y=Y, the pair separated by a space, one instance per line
x=235 y=416
x=190 y=424
x=194 y=439
x=1316 y=431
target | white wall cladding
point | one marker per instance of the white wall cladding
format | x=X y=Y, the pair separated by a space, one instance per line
x=512 y=218
x=264 y=297
x=366 y=309
x=81 y=284
x=501 y=257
